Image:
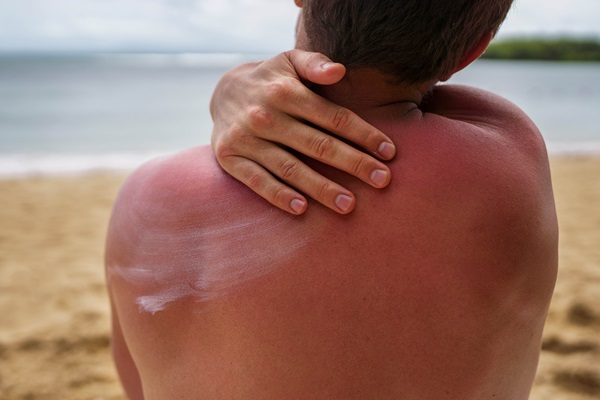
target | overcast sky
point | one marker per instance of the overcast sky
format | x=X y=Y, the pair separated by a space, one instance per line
x=219 y=25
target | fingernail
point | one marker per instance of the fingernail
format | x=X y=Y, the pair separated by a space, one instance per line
x=327 y=65
x=343 y=202
x=379 y=177
x=386 y=150
x=297 y=205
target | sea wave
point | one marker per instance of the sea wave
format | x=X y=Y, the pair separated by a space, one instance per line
x=25 y=165
x=573 y=148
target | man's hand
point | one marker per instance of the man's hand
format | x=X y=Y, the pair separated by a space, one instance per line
x=259 y=108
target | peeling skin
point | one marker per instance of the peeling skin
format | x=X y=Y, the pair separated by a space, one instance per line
x=178 y=244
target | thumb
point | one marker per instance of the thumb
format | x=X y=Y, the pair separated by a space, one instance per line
x=315 y=67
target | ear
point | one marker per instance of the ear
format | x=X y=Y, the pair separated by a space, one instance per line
x=473 y=54
x=299 y=3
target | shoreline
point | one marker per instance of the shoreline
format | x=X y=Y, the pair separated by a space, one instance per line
x=23 y=166
x=54 y=314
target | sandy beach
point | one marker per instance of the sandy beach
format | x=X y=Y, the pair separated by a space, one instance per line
x=54 y=315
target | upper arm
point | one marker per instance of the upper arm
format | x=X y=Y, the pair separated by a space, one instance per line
x=126 y=368
x=160 y=198
x=121 y=243
x=146 y=210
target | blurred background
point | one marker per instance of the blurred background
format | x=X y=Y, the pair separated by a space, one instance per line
x=97 y=85
x=88 y=84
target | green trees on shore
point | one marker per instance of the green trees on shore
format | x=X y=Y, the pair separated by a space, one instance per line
x=545 y=49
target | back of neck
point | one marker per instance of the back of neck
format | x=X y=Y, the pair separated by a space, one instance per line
x=362 y=90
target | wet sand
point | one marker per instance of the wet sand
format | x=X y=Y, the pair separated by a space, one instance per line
x=54 y=315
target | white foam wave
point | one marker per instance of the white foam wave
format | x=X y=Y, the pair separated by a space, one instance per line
x=573 y=148
x=24 y=165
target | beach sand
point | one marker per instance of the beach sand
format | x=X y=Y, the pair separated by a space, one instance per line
x=54 y=315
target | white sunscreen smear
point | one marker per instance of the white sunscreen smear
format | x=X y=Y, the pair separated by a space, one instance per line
x=208 y=261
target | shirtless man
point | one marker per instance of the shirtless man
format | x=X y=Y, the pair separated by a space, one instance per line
x=436 y=287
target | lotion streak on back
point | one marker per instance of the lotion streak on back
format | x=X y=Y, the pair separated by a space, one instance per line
x=222 y=250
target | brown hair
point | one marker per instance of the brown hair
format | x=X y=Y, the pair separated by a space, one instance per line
x=413 y=41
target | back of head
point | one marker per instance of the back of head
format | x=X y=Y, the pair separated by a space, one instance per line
x=412 y=41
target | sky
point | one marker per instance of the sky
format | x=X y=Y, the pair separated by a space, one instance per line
x=254 y=26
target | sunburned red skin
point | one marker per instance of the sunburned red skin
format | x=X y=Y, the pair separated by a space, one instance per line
x=435 y=288
x=162 y=230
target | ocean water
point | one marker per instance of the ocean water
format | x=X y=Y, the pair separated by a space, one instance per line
x=77 y=113
x=563 y=99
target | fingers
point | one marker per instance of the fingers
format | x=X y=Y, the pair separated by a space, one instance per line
x=264 y=184
x=288 y=168
x=315 y=67
x=331 y=151
x=346 y=124
x=293 y=171
x=293 y=98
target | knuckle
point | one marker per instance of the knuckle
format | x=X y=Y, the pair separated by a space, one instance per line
x=322 y=146
x=358 y=166
x=288 y=169
x=226 y=146
x=341 y=119
x=279 y=195
x=255 y=180
x=222 y=149
x=323 y=189
x=259 y=118
x=373 y=138
x=280 y=90
x=313 y=59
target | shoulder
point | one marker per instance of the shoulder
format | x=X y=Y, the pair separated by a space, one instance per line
x=465 y=101
x=489 y=161
x=473 y=128
x=177 y=193
x=166 y=195
x=171 y=176
x=174 y=184
x=500 y=119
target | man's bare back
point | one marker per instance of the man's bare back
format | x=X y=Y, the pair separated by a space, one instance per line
x=435 y=288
